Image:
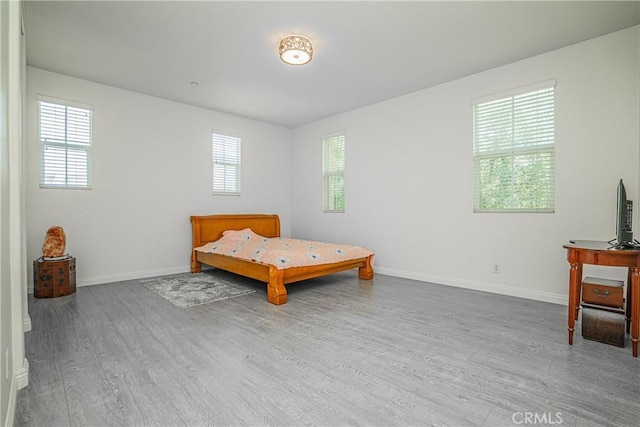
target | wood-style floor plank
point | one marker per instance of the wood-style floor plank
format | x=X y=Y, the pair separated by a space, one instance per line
x=387 y=352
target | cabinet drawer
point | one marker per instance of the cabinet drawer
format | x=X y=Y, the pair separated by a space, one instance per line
x=603 y=292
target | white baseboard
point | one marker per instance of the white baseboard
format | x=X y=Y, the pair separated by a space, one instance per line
x=26 y=323
x=19 y=379
x=414 y=275
x=110 y=278
x=11 y=403
x=22 y=376
x=120 y=277
x=478 y=286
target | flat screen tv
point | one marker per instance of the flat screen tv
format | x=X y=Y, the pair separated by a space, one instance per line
x=624 y=233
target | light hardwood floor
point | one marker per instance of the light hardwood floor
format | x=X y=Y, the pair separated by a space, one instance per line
x=341 y=352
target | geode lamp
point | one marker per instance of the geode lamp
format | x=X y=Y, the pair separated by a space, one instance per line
x=295 y=50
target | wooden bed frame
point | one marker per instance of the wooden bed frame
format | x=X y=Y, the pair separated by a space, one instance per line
x=209 y=229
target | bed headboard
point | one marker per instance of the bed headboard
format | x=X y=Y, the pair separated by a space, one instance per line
x=209 y=228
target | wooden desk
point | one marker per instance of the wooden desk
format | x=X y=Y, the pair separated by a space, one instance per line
x=593 y=252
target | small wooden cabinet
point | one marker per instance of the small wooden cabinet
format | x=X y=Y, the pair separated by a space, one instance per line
x=54 y=278
x=603 y=315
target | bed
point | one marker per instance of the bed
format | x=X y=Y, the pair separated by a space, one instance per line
x=210 y=228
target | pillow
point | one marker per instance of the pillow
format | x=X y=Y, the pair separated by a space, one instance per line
x=238 y=235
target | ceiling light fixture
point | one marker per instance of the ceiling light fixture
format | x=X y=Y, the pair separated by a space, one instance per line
x=295 y=50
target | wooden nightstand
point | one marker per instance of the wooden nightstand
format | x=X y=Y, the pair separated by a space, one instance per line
x=54 y=278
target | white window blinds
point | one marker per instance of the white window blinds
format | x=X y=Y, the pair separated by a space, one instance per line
x=333 y=172
x=65 y=144
x=226 y=164
x=513 y=151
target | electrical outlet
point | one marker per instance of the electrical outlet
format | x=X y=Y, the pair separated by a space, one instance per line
x=496 y=268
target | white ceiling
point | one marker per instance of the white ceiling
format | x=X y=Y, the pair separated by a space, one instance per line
x=365 y=52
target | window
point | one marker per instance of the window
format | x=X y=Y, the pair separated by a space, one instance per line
x=333 y=173
x=513 y=151
x=65 y=144
x=226 y=164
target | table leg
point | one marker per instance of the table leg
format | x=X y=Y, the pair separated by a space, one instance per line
x=574 y=299
x=578 y=291
x=635 y=310
x=629 y=299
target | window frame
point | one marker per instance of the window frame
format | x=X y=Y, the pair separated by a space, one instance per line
x=330 y=174
x=65 y=143
x=226 y=163
x=538 y=151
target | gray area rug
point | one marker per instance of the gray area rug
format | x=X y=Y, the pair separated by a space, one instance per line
x=188 y=290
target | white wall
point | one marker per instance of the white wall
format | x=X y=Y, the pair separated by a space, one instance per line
x=409 y=187
x=152 y=170
x=409 y=174
x=14 y=319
